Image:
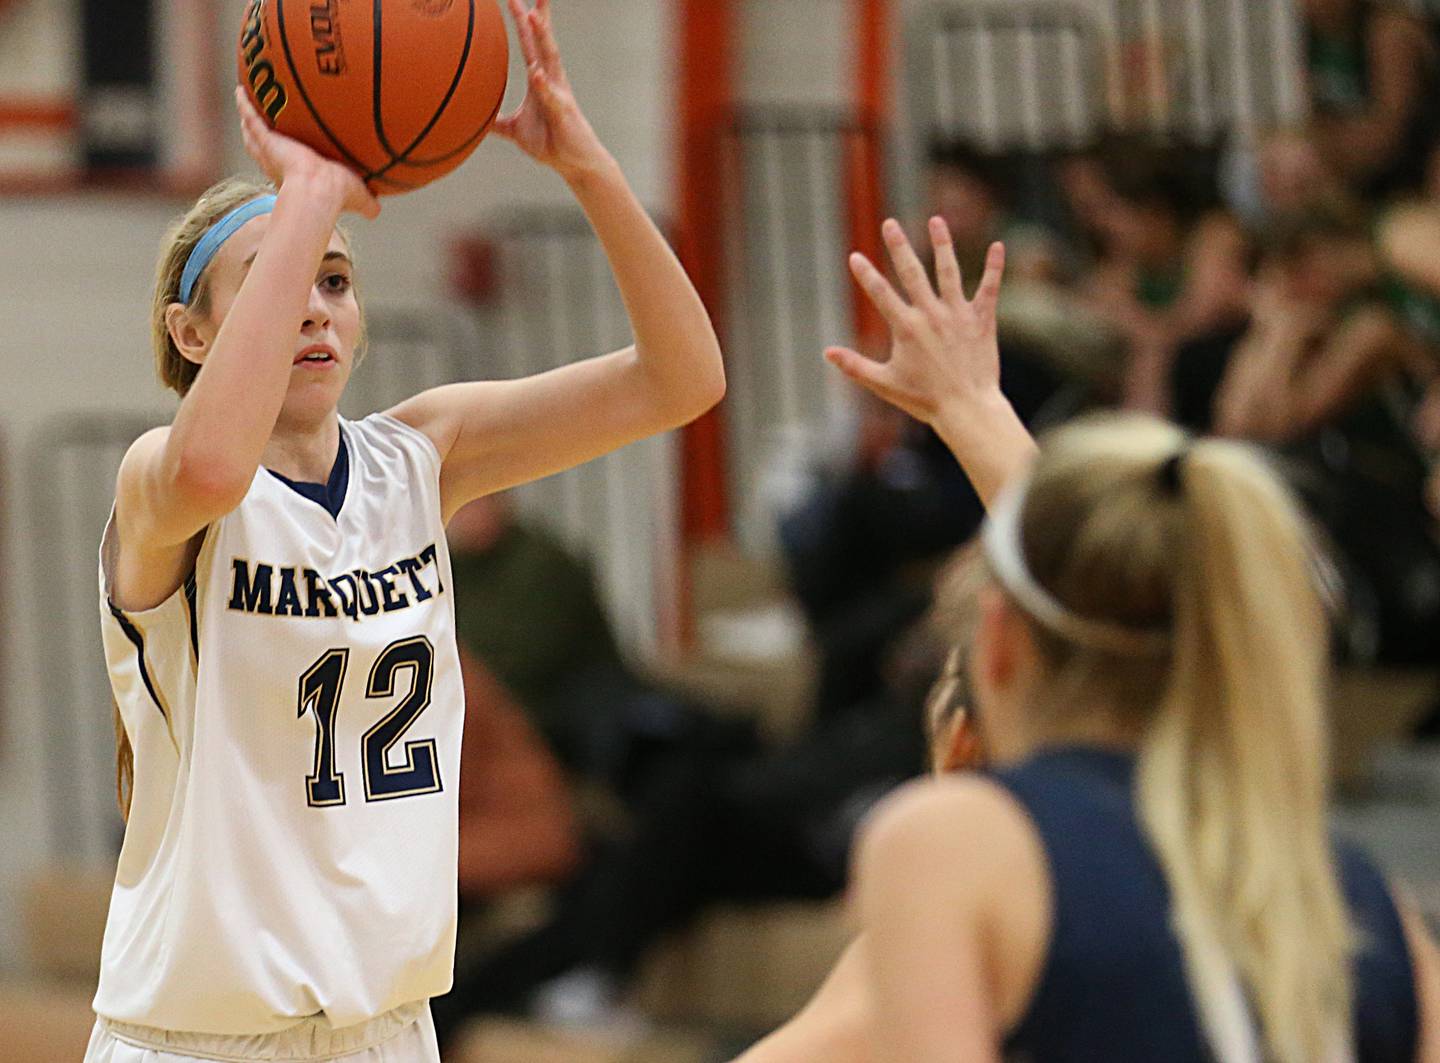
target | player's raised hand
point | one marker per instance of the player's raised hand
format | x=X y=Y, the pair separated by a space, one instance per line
x=280 y=156
x=549 y=125
x=943 y=353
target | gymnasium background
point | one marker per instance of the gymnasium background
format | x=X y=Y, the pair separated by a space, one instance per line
x=770 y=136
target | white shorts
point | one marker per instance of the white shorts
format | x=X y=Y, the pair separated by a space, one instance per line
x=405 y=1035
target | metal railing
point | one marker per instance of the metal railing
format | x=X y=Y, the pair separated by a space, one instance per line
x=789 y=297
x=1008 y=76
x=1041 y=75
x=557 y=302
x=72 y=466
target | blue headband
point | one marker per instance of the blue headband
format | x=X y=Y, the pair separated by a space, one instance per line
x=214 y=239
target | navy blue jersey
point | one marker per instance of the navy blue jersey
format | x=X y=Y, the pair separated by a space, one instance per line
x=1113 y=984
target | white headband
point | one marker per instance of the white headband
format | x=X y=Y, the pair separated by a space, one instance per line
x=1000 y=537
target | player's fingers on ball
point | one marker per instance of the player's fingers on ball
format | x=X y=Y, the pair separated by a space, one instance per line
x=504 y=127
x=248 y=137
x=542 y=14
x=548 y=47
x=522 y=28
x=545 y=87
x=907 y=263
x=245 y=106
x=877 y=289
x=947 y=266
x=369 y=203
x=246 y=110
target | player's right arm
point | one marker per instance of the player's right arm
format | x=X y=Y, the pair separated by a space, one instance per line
x=944 y=367
x=176 y=481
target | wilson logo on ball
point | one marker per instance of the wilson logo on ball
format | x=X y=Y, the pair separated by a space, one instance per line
x=269 y=94
x=325 y=31
x=400 y=91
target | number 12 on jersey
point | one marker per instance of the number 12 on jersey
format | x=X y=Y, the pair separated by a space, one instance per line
x=320 y=688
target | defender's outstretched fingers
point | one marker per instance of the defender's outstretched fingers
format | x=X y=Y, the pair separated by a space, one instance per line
x=864 y=371
x=947 y=266
x=988 y=293
x=878 y=290
x=907 y=263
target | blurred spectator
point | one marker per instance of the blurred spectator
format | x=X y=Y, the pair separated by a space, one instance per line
x=524 y=605
x=1409 y=238
x=536 y=645
x=859 y=547
x=1172 y=264
x=527 y=607
x=1280 y=173
x=517 y=826
x=1322 y=336
x=1327 y=371
x=972 y=192
x=1374 y=71
x=1409 y=244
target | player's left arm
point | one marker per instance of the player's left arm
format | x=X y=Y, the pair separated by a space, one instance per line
x=495 y=434
x=952 y=887
x=834 y=1026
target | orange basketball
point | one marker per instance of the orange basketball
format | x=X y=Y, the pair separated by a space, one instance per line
x=400 y=90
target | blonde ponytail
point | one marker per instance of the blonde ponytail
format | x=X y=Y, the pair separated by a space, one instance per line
x=1232 y=778
x=1129 y=529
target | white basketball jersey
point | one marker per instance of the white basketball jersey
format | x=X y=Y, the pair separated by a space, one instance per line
x=295 y=711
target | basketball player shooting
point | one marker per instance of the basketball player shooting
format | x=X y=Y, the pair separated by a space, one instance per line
x=276 y=606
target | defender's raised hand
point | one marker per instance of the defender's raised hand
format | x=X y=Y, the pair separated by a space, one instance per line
x=943 y=349
x=549 y=125
x=944 y=366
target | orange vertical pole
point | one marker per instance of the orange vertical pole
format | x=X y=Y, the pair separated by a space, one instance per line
x=706 y=100
x=866 y=158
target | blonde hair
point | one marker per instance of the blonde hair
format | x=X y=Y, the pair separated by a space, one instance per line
x=952 y=620
x=176 y=371
x=1232 y=773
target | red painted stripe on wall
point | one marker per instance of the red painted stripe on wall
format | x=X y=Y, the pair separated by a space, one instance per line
x=37 y=113
x=707 y=32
